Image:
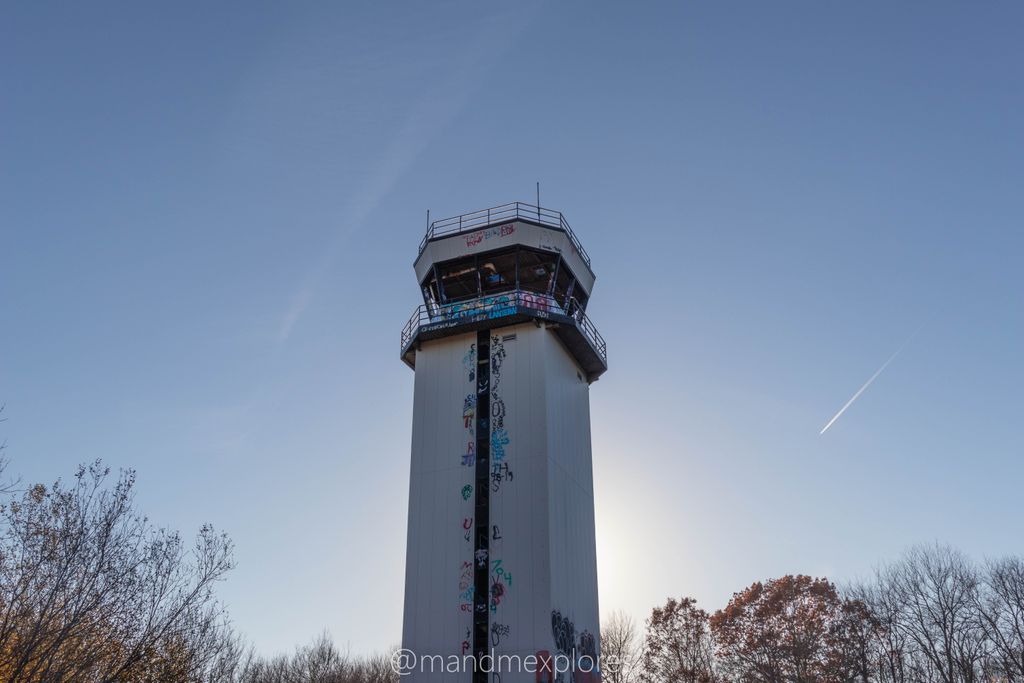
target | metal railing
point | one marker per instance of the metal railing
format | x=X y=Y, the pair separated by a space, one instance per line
x=498 y=306
x=475 y=220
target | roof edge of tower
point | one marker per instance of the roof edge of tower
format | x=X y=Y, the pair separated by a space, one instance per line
x=484 y=220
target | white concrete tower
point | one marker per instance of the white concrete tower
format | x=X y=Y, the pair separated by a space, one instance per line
x=501 y=556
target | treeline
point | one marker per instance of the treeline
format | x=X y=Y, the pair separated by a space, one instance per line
x=933 y=616
x=319 y=662
x=92 y=592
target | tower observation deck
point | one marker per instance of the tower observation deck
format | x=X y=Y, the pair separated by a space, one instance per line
x=502 y=266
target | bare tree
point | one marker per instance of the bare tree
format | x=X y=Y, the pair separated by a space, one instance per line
x=620 y=649
x=10 y=485
x=939 y=619
x=378 y=668
x=937 y=591
x=318 y=662
x=1001 y=610
x=888 y=651
x=89 y=590
x=233 y=662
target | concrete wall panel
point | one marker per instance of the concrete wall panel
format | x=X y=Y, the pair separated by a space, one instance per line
x=542 y=562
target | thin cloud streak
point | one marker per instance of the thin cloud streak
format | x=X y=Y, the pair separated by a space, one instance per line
x=297 y=307
x=422 y=125
x=867 y=384
x=428 y=116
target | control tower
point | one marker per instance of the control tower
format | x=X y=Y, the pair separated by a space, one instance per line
x=501 y=554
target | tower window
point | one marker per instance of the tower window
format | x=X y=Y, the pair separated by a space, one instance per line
x=431 y=296
x=459 y=280
x=563 y=285
x=536 y=270
x=498 y=272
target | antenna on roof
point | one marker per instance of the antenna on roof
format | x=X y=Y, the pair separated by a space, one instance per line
x=538 y=200
x=428 y=219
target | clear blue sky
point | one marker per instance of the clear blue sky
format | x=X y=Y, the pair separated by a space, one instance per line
x=208 y=216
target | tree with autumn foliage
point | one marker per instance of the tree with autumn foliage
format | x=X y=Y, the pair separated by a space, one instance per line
x=794 y=629
x=678 y=646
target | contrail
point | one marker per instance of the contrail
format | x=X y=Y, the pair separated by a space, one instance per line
x=867 y=384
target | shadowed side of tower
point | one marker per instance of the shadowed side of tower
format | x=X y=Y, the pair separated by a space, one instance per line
x=501 y=571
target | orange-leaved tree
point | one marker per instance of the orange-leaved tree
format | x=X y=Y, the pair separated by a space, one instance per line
x=794 y=629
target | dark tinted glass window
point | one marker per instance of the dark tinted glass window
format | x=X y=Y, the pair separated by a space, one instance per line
x=580 y=299
x=459 y=280
x=498 y=272
x=563 y=285
x=536 y=270
x=431 y=296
